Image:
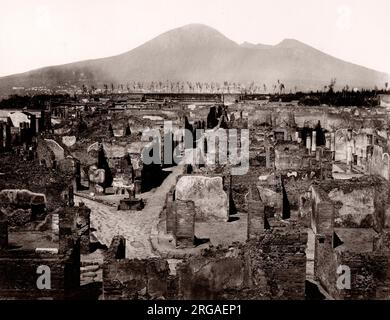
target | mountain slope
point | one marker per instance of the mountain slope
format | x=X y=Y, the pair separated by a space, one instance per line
x=200 y=53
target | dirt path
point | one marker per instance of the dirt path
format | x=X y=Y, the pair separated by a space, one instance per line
x=135 y=226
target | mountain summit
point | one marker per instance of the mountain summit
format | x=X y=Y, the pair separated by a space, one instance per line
x=197 y=52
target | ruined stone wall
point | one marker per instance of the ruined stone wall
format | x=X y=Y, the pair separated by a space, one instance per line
x=271 y=194
x=241 y=185
x=271 y=266
x=45 y=155
x=330 y=117
x=39 y=179
x=326 y=262
x=56 y=148
x=125 y=279
x=256 y=217
x=322 y=219
x=370 y=273
x=279 y=268
x=83 y=227
x=18 y=274
x=74 y=228
x=370 y=276
x=297 y=185
x=379 y=162
x=213 y=276
x=361 y=203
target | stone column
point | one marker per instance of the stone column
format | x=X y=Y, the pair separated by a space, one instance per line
x=349 y=158
x=333 y=144
x=297 y=138
x=327 y=141
x=314 y=142
x=308 y=143
x=267 y=157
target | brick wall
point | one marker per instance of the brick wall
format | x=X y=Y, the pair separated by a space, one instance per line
x=277 y=263
x=322 y=212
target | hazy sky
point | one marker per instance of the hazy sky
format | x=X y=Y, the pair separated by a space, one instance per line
x=37 y=33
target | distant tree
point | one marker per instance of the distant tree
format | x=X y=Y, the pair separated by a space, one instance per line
x=386 y=86
x=281 y=88
x=332 y=85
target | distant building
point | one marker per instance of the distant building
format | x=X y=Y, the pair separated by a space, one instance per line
x=384 y=101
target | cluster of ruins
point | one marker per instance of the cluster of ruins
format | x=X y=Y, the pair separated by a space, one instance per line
x=77 y=196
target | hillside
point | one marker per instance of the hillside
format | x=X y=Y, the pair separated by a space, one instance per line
x=200 y=53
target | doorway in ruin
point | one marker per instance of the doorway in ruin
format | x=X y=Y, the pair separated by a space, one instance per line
x=153 y=175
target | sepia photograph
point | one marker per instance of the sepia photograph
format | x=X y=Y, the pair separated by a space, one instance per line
x=204 y=152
